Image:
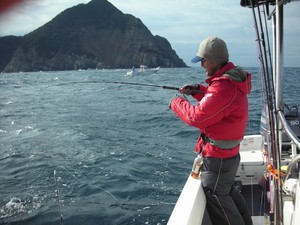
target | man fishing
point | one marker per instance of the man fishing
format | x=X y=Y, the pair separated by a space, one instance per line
x=221 y=116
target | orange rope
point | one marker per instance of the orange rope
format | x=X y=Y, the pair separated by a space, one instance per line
x=274 y=173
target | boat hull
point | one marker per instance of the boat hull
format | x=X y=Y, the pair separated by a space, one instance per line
x=190 y=206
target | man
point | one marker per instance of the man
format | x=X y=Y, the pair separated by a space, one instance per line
x=221 y=116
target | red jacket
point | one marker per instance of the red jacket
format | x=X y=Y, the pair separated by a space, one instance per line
x=222 y=111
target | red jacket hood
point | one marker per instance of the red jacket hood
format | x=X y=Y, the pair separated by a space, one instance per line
x=237 y=76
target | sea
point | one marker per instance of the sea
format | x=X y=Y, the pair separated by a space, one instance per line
x=84 y=148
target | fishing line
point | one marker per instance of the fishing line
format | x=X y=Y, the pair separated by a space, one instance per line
x=68 y=171
x=58 y=198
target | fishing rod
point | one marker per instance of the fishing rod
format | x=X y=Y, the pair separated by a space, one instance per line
x=269 y=94
x=137 y=84
x=153 y=85
x=129 y=83
x=148 y=85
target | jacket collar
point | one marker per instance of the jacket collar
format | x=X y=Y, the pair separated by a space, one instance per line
x=220 y=72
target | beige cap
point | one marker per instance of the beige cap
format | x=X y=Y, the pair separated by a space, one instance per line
x=214 y=49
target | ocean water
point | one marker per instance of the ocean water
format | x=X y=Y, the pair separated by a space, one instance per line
x=76 y=149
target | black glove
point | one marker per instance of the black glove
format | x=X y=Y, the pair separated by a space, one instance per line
x=189 y=89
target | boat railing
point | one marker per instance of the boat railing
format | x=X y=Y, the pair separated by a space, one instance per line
x=293 y=162
x=295 y=143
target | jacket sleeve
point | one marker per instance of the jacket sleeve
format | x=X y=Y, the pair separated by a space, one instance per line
x=210 y=109
x=202 y=92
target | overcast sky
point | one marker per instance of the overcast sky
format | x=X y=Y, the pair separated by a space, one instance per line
x=183 y=22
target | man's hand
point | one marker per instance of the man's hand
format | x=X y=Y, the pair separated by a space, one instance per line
x=178 y=96
x=189 y=89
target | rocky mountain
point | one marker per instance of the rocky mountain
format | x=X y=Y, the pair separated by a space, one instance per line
x=92 y=35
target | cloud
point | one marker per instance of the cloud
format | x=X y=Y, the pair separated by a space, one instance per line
x=183 y=22
x=31 y=14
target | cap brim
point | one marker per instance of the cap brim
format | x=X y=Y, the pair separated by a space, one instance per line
x=196 y=59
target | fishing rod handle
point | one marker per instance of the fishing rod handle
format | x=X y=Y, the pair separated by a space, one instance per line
x=171 y=88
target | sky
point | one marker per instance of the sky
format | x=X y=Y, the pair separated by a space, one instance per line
x=184 y=23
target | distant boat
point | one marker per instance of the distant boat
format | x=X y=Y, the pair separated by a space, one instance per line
x=142 y=70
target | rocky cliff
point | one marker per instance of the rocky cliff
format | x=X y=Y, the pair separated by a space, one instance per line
x=93 y=35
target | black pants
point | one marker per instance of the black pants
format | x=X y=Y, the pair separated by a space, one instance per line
x=225 y=205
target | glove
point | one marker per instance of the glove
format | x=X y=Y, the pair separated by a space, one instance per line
x=189 y=89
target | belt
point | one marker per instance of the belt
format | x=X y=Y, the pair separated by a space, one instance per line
x=224 y=144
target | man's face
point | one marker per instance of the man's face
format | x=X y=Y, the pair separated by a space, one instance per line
x=210 y=67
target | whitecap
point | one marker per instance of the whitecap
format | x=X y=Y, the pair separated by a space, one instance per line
x=3 y=131
x=28 y=128
x=15 y=205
